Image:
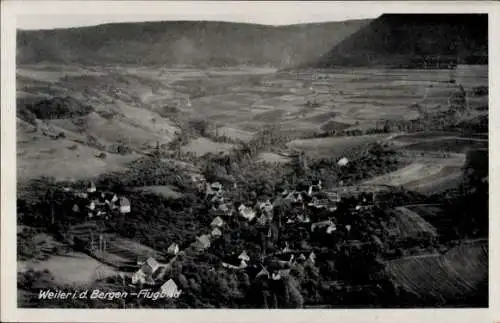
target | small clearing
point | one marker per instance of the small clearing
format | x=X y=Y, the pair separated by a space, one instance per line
x=73 y=268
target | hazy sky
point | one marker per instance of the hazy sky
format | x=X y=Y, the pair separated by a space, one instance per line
x=47 y=15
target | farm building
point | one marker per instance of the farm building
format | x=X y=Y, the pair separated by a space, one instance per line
x=170 y=289
x=173 y=249
x=124 y=205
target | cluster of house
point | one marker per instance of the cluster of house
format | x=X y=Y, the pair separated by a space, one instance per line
x=99 y=204
x=151 y=274
x=275 y=270
x=262 y=212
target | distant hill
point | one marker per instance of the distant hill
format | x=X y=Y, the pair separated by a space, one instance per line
x=184 y=43
x=413 y=40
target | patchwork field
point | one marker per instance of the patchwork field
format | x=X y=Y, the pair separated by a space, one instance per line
x=136 y=107
x=334 y=146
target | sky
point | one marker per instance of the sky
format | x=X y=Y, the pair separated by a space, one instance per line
x=49 y=15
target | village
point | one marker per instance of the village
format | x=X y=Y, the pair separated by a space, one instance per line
x=312 y=209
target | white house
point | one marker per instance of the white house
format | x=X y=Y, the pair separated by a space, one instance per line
x=91 y=187
x=124 y=205
x=246 y=212
x=343 y=161
x=216 y=232
x=244 y=256
x=139 y=277
x=217 y=222
x=91 y=205
x=312 y=257
x=173 y=249
x=170 y=289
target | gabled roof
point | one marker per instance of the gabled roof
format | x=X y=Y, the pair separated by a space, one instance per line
x=247 y=213
x=123 y=201
x=204 y=240
x=216 y=232
x=217 y=222
x=169 y=287
x=174 y=246
x=244 y=256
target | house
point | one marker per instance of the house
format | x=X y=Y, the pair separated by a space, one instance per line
x=139 y=277
x=286 y=249
x=91 y=205
x=246 y=212
x=348 y=227
x=76 y=208
x=331 y=228
x=343 y=161
x=263 y=273
x=173 y=249
x=312 y=257
x=202 y=242
x=224 y=210
x=170 y=289
x=321 y=225
x=301 y=257
x=314 y=188
x=150 y=266
x=216 y=232
x=244 y=256
x=235 y=263
x=91 y=187
x=124 y=205
x=217 y=222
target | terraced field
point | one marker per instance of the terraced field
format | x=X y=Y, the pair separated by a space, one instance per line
x=411 y=225
x=451 y=276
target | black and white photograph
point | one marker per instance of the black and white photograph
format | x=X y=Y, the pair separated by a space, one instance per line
x=280 y=157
